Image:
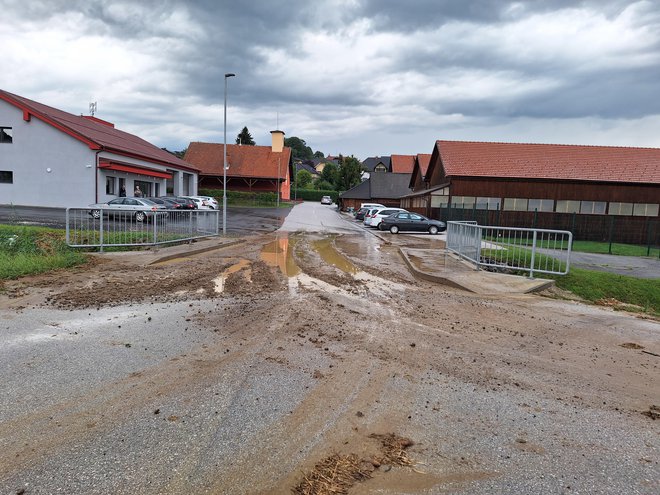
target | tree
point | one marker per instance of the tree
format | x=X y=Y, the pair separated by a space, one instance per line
x=330 y=174
x=350 y=173
x=303 y=179
x=319 y=154
x=299 y=148
x=323 y=185
x=244 y=137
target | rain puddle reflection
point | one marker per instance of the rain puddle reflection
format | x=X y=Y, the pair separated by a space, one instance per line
x=219 y=281
x=330 y=255
x=279 y=253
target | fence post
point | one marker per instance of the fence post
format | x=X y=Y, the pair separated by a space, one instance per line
x=190 y=226
x=573 y=227
x=531 y=264
x=101 y=231
x=68 y=234
x=154 y=220
x=609 y=250
x=536 y=216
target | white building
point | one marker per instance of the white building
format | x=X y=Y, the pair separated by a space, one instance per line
x=49 y=157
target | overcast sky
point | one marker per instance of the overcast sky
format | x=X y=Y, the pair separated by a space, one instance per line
x=361 y=77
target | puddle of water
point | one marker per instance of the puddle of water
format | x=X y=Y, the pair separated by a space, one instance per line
x=279 y=253
x=330 y=255
x=219 y=281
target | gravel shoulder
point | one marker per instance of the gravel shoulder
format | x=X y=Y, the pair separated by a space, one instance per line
x=238 y=370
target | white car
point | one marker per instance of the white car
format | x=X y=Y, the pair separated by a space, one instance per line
x=204 y=202
x=371 y=205
x=368 y=215
x=376 y=217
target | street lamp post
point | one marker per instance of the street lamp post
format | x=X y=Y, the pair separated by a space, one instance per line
x=224 y=165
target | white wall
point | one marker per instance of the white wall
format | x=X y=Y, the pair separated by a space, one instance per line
x=36 y=148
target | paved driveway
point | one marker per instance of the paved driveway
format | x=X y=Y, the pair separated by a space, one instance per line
x=633 y=266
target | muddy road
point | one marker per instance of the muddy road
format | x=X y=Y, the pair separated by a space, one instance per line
x=252 y=368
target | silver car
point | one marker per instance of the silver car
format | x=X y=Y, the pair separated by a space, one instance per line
x=140 y=209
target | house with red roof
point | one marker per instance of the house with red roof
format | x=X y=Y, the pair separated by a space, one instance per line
x=249 y=168
x=556 y=185
x=49 y=157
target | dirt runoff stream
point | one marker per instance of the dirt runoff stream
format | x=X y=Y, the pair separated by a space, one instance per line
x=317 y=364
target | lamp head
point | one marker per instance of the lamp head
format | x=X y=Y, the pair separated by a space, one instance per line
x=229 y=75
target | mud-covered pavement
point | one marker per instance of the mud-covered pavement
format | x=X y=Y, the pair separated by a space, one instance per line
x=241 y=369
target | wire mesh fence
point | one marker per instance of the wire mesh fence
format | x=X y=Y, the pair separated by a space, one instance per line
x=112 y=227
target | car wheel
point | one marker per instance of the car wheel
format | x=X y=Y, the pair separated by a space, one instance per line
x=96 y=214
x=394 y=229
x=433 y=230
x=139 y=216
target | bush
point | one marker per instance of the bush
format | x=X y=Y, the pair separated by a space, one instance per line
x=314 y=195
x=241 y=197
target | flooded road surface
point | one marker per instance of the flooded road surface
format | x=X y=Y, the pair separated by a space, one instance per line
x=306 y=355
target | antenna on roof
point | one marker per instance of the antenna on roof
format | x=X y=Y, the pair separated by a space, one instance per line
x=92 y=108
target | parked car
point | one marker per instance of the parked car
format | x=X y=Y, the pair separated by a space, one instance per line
x=377 y=217
x=326 y=200
x=186 y=203
x=371 y=205
x=140 y=209
x=359 y=215
x=166 y=202
x=367 y=216
x=204 y=202
x=411 y=222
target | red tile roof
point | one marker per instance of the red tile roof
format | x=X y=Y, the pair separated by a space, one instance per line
x=402 y=164
x=243 y=161
x=96 y=133
x=550 y=161
x=423 y=159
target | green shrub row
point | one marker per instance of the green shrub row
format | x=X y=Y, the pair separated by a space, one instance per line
x=241 y=197
x=314 y=195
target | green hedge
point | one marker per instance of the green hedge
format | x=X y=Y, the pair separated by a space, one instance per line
x=314 y=195
x=240 y=197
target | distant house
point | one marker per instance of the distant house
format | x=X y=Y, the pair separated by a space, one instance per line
x=402 y=164
x=552 y=186
x=382 y=188
x=375 y=164
x=49 y=157
x=299 y=165
x=249 y=168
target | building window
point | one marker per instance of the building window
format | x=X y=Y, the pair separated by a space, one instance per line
x=541 y=205
x=620 y=209
x=463 y=201
x=645 y=210
x=515 y=204
x=6 y=177
x=439 y=201
x=380 y=168
x=6 y=135
x=488 y=203
x=110 y=185
x=593 y=207
x=567 y=206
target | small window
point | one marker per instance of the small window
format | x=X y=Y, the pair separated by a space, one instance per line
x=620 y=209
x=463 y=201
x=109 y=185
x=438 y=201
x=593 y=207
x=6 y=177
x=414 y=216
x=645 y=210
x=541 y=205
x=488 y=203
x=6 y=135
x=515 y=204
x=567 y=206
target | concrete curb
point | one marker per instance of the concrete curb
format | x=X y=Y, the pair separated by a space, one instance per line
x=429 y=277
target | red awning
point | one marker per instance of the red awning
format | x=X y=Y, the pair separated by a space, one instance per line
x=135 y=170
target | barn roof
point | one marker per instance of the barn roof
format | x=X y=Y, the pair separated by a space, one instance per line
x=243 y=161
x=549 y=161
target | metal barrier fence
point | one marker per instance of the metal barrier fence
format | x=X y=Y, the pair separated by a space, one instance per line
x=510 y=248
x=106 y=227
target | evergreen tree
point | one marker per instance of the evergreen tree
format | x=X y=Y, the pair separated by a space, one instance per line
x=244 y=137
x=350 y=172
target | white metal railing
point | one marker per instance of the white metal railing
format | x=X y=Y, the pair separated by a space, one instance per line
x=517 y=249
x=105 y=227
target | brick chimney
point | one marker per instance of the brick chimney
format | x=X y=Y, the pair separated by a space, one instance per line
x=278 y=141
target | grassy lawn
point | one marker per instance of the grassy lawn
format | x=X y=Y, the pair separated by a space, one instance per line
x=584 y=246
x=618 y=291
x=31 y=250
